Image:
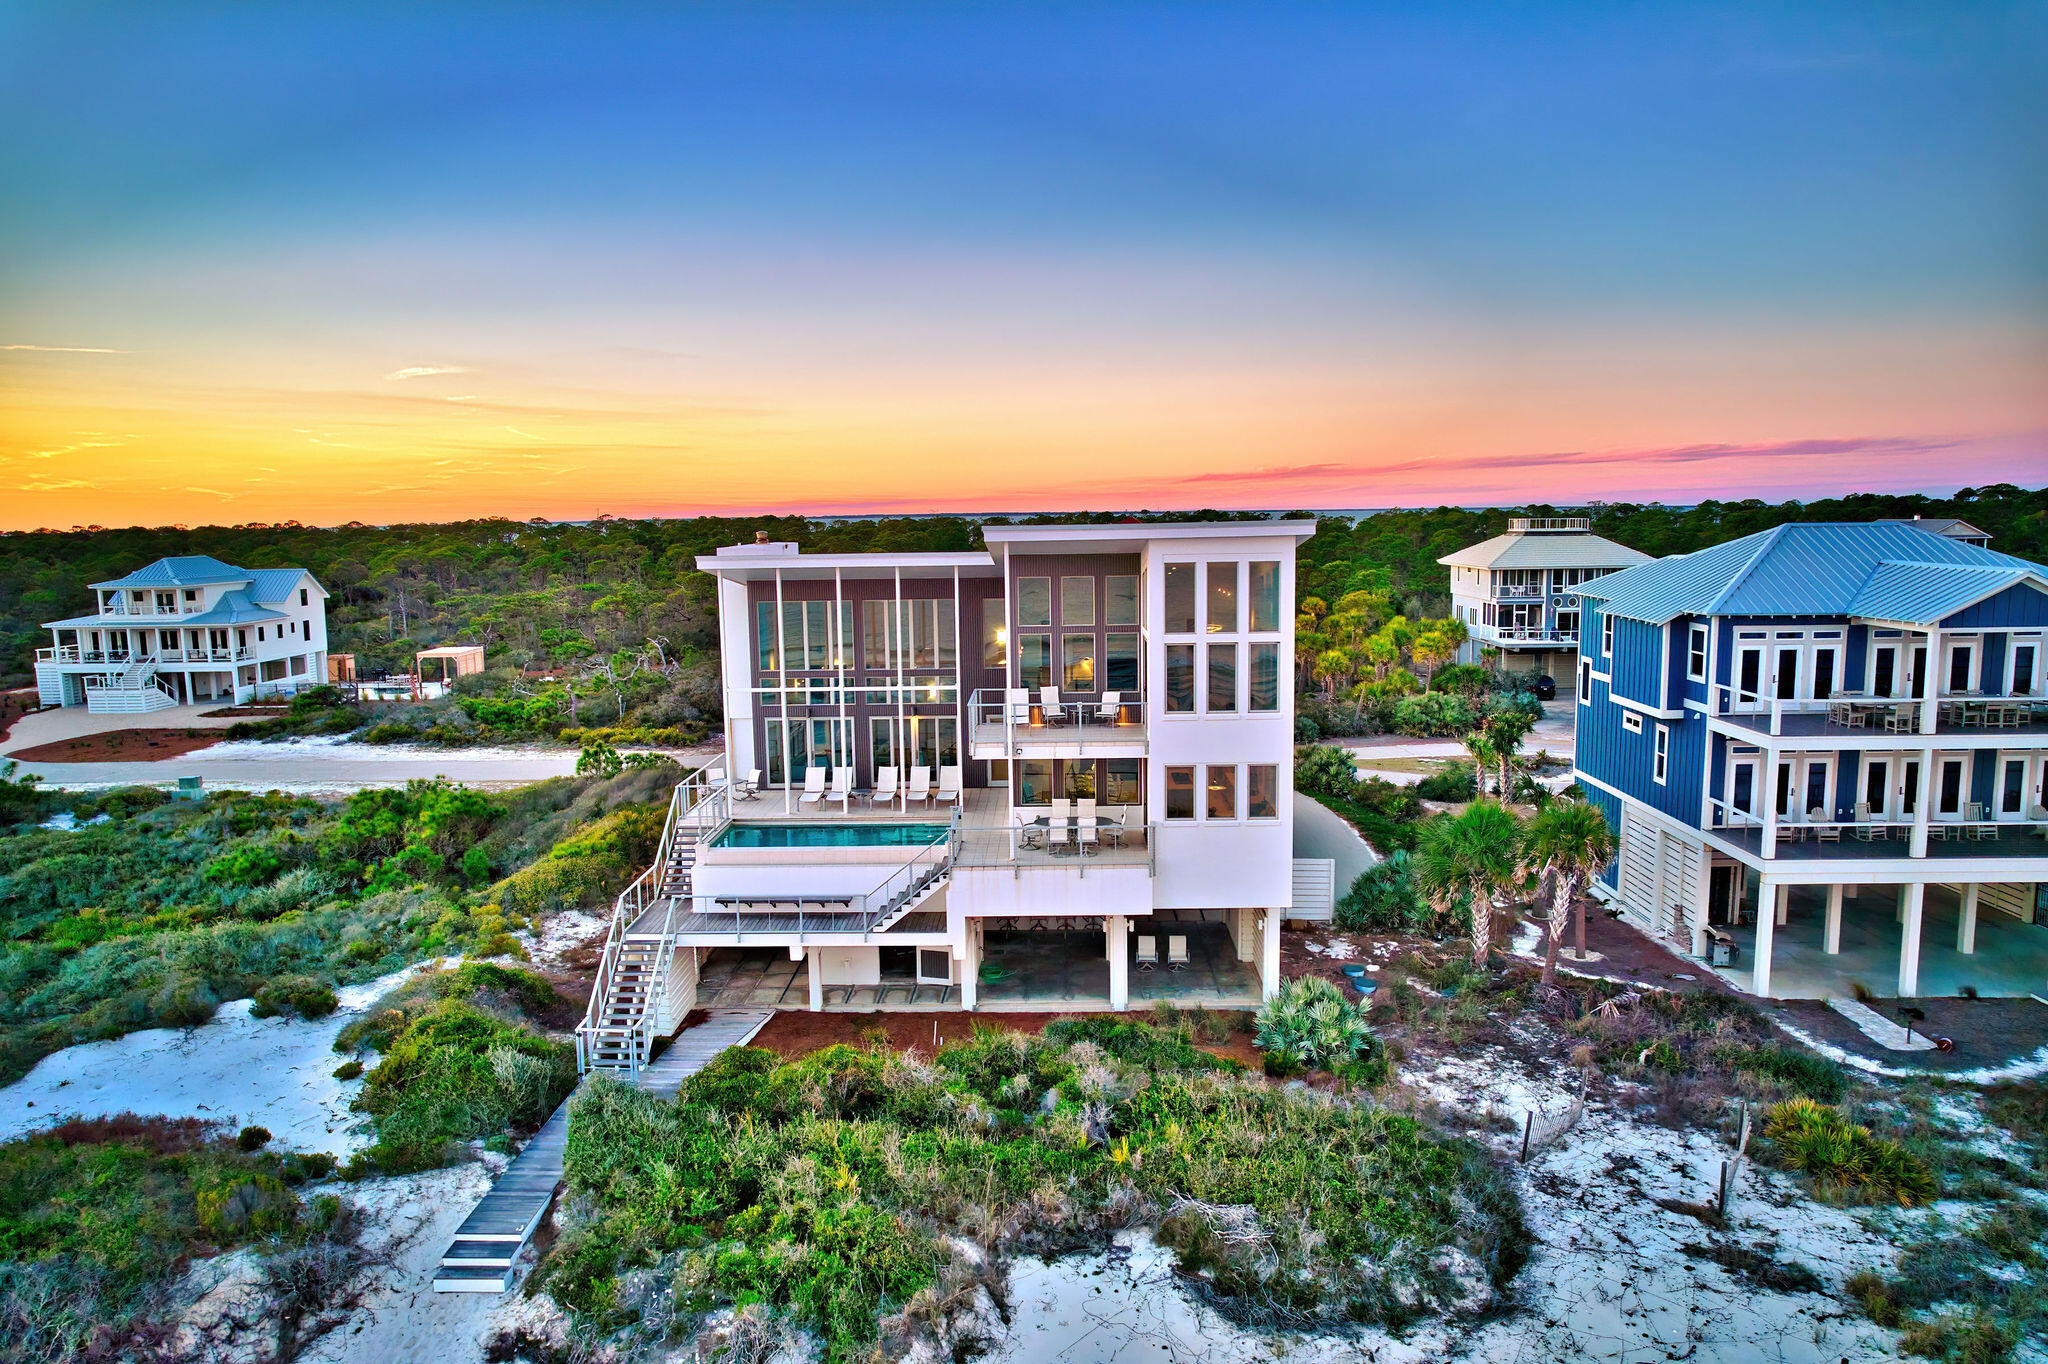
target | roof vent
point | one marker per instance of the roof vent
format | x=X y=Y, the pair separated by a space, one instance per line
x=760 y=537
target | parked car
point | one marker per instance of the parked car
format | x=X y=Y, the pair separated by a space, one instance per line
x=1546 y=689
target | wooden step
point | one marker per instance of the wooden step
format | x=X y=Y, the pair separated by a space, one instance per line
x=472 y=1279
x=480 y=1255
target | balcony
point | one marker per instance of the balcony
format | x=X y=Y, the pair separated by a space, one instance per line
x=1048 y=723
x=1969 y=835
x=1527 y=634
x=71 y=653
x=1863 y=721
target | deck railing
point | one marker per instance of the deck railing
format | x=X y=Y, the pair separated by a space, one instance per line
x=1077 y=719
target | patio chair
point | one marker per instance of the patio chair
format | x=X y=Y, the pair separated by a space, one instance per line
x=842 y=785
x=1148 y=952
x=1176 y=952
x=1902 y=719
x=919 y=787
x=1049 y=703
x=2038 y=817
x=951 y=783
x=814 y=786
x=1017 y=702
x=1977 y=823
x=1788 y=832
x=885 y=786
x=1825 y=829
x=1029 y=835
x=1089 y=841
x=1062 y=810
x=749 y=786
x=1059 y=836
x=1111 y=708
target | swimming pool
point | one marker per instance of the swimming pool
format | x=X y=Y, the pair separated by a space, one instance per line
x=848 y=835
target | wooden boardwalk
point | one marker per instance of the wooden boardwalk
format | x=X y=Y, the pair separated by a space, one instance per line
x=479 y=1260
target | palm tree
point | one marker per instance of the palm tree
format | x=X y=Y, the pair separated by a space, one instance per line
x=1479 y=744
x=1472 y=858
x=1569 y=842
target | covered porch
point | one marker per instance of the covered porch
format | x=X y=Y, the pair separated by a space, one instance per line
x=1067 y=964
x=1917 y=939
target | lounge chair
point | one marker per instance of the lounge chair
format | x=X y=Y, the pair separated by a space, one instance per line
x=951 y=782
x=842 y=785
x=1148 y=952
x=1018 y=704
x=1177 y=952
x=919 y=787
x=814 y=786
x=1867 y=829
x=1111 y=708
x=885 y=786
x=1049 y=703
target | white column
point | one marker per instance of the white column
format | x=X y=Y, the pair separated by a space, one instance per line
x=1909 y=948
x=1930 y=688
x=816 y=972
x=782 y=693
x=1831 y=943
x=1782 y=910
x=1922 y=805
x=970 y=964
x=1269 y=953
x=1767 y=894
x=1117 y=931
x=1966 y=931
x=1767 y=776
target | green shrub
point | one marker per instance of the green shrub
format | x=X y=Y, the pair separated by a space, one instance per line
x=1842 y=1157
x=295 y=996
x=1308 y=1024
x=252 y=1138
x=1433 y=714
x=1455 y=783
x=1813 y=1076
x=586 y=869
x=348 y=1070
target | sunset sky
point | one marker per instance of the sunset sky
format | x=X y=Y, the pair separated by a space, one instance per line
x=422 y=263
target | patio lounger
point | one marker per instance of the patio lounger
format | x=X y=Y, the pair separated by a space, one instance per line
x=1111 y=707
x=814 y=786
x=1049 y=703
x=1018 y=705
x=919 y=786
x=885 y=786
x=842 y=785
x=950 y=783
x=1148 y=952
x=1177 y=952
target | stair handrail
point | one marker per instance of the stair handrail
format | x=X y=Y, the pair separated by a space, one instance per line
x=705 y=803
x=933 y=868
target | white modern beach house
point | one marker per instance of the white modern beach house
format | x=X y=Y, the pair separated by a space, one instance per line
x=1050 y=773
x=187 y=629
x=1518 y=592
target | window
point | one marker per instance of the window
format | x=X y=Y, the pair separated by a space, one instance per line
x=1585 y=683
x=1180 y=599
x=2023 y=656
x=1265 y=594
x=1823 y=673
x=1262 y=791
x=882 y=739
x=1221 y=788
x=1222 y=678
x=1123 y=781
x=1180 y=793
x=1077 y=601
x=931 y=633
x=1034 y=660
x=259 y=634
x=1265 y=677
x=1696 y=653
x=1120 y=663
x=192 y=594
x=1077 y=658
x=1222 y=613
x=304 y=598
x=1632 y=722
x=1077 y=779
x=994 y=636
x=1607 y=636
x=1120 y=599
x=1034 y=782
x=877 y=635
x=1034 y=601
x=934 y=740
x=1663 y=767
x=1180 y=679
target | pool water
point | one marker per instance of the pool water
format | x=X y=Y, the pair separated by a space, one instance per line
x=829 y=835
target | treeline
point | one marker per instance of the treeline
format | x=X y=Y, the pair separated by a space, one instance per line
x=544 y=595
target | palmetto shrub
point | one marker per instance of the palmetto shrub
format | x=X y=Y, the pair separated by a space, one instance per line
x=1308 y=1024
x=1842 y=1157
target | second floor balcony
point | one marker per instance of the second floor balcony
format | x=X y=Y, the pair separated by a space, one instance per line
x=1049 y=722
x=1526 y=634
x=1860 y=716
x=71 y=653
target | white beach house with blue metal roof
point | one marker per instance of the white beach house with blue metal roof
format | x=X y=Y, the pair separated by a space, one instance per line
x=1518 y=591
x=1823 y=748
x=184 y=630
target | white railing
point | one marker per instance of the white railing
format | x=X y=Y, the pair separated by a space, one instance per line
x=1074 y=719
x=866 y=914
x=1522 y=634
x=1549 y=523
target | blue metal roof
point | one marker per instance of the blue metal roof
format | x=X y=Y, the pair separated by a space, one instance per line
x=1887 y=571
x=183 y=570
x=274 y=584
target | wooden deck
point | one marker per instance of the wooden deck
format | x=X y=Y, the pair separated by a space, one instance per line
x=480 y=1258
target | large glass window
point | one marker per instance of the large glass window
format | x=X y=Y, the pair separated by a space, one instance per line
x=764 y=632
x=931 y=632
x=877 y=634
x=817 y=634
x=934 y=739
x=1262 y=791
x=1180 y=793
x=1123 y=781
x=994 y=635
x=1034 y=782
x=1077 y=779
x=1034 y=601
x=1222 y=678
x=1077 y=601
x=882 y=741
x=1265 y=677
x=1222 y=613
x=1120 y=599
x=1034 y=660
x=1220 y=791
x=1077 y=662
x=1120 y=664
x=1180 y=679
x=1265 y=594
x=1180 y=599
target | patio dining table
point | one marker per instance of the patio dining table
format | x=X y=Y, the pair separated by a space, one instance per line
x=1111 y=830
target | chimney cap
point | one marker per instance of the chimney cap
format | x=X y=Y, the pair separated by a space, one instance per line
x=760 y=537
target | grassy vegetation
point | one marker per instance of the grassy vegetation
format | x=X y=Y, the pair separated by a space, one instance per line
x=156 y=916
x=1843 y=1158
x=461 y=1059
x=98 y=1216
x=841 y=1190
